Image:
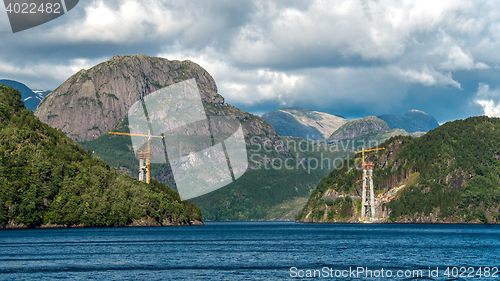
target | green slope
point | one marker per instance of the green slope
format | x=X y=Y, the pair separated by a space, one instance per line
x=253 y=195
x=451 y=174
x=272 y=192
x=45 y=178
x=269 y=192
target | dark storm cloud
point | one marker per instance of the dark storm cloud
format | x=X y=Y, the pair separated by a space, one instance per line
x=353 y=58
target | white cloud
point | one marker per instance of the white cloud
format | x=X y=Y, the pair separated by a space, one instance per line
x=130 y=22
x=402 y=34
x=366 y=54
x=4 y=21
x=428 y=76
x=244 y=86
x=319 y=86
x=457 y=59
x=482 y=65
x=490 y=107
x=339 y=28
x=43 y=74
x=483 y=91
x=489 y=100
x=382 y=30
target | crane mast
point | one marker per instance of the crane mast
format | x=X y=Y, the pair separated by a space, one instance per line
x=141 y=154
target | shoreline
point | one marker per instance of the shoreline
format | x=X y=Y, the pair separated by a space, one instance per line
x=386 y=222
x=144 y=223
x=140 y=223
x=345 y=222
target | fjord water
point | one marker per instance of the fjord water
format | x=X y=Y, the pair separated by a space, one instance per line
x=244 y=251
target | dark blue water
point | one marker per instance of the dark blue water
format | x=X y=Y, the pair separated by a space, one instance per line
x=249 y=251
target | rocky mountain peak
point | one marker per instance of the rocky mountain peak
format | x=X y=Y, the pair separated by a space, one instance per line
x=300 y=122
x=412 y=121
x=358 y=127
x=417 y=111
x=92 y=102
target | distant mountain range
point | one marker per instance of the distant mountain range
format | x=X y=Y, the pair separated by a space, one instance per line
x=314 y=125
x=412 y=121
x=31 y=98
x=299 y=122
x=368 y=131
x=355 y=128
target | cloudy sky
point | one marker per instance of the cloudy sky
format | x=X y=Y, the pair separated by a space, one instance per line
x=352 y=58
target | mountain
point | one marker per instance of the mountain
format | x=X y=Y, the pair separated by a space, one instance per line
x=412 y=121
x=358 y=127
x=31 y=98
x=47 y=180
x=299 y=122
x=93 y=102
x=448 y=175
x=367 y=132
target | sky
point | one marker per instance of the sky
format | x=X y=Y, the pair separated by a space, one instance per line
x=350 y=58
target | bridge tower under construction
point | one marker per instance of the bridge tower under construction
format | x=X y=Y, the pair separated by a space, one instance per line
x=143 y=168
x=367 y=178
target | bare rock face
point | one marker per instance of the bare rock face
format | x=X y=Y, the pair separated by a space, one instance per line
x=299 y=122
x=359 y=127
x=92 y=102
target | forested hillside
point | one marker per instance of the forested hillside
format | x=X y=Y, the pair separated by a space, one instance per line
x=451 y=174
x=93 y=102
x=48 y=180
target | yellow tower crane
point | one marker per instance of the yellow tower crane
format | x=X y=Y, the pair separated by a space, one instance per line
x=149 y=136
x=367 y=176
x=363 y=153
